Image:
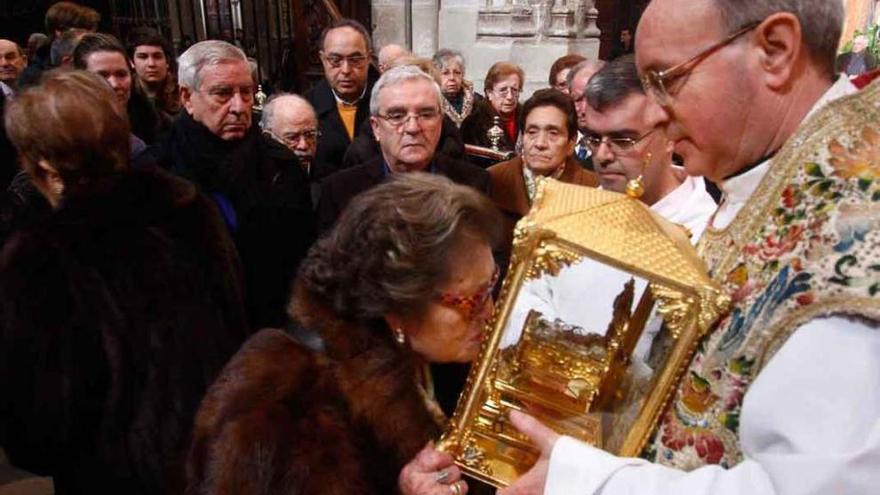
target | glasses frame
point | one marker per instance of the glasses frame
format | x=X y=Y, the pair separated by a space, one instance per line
x=511 y=91
x=420 y=119
x=351 y=59
x=469 y=305
x=293 y=142
x=613 y=143
x=655 y=82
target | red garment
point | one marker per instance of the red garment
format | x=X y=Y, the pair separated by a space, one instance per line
x=510 y=129
x=866 y=78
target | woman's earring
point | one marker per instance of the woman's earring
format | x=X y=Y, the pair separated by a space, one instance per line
x=399 y=336
x=635 y=188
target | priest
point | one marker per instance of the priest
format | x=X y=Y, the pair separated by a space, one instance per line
x=783 y=394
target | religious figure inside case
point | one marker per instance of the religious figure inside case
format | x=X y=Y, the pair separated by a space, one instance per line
x=578 y=338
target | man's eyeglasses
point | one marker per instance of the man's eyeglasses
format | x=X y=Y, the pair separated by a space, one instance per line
x=357 y=60
x=399 y=119
x=656 y=83
x=469 y=306
x=293 y=138
x=617 y=145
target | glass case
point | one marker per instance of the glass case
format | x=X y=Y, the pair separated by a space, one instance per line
x=603 y=305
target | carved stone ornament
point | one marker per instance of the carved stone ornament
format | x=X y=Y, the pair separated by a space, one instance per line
x=538 y=19
x=602 y=308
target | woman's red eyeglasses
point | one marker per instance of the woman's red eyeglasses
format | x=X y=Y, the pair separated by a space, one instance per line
x=470 y=305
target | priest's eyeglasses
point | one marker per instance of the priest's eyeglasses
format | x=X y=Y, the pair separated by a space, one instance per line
x=400 y=119
x=470 y=305
x=656 y=83
x=617 y=145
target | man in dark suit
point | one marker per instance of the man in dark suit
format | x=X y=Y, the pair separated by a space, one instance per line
x=406 y=119
x=257 y=183
x=342 y=99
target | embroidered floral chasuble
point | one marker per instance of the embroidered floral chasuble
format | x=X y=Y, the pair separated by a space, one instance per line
x=806 y=245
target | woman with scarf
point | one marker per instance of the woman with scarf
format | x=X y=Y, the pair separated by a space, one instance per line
x=459 y=95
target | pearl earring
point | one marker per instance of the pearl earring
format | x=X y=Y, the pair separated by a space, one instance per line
x=399 y=336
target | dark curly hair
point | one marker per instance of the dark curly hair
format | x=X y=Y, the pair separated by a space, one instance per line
x=551 y=97
x=390 y=248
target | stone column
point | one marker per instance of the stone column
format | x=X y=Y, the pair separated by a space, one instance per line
x=389 y=24
x=529 y=33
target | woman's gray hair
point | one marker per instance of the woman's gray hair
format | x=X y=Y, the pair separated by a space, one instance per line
x=821 y=21
x=393 y=246
x=397 y=75
x=444 y=55
x=202 y=54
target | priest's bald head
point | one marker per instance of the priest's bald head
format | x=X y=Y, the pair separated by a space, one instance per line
x=731 y=80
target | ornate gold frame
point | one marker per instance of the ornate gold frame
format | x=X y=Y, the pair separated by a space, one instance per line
x=567 y=224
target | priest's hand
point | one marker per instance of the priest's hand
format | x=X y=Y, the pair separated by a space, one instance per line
x=532 y=483
x=431 y=472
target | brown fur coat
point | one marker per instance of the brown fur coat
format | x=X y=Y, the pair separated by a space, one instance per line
x=283 y=419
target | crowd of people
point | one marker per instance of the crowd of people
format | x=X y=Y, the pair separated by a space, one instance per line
x=196 y=298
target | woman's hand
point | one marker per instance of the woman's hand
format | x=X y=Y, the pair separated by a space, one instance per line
x=431 y=472
x=532 y=483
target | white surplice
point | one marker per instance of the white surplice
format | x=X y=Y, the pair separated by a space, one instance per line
x=810 y=421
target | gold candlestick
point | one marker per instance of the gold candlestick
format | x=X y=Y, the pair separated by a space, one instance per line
x=495 y=133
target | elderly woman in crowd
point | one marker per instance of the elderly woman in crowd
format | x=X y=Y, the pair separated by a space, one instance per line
x=558 y=78
x=403 y=280
x=549 y=133
x=503 y=85
x=116 y=310
x=459 y=95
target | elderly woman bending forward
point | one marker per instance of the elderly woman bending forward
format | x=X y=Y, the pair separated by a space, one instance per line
x=404 y=280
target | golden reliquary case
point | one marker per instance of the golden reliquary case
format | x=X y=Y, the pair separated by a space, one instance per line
x=603 y=306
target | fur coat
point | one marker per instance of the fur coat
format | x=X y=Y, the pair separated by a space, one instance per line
x=117 y=310
x=285 y=419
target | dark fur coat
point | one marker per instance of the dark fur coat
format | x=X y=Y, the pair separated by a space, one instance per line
x=117 y=310
x=284 y=419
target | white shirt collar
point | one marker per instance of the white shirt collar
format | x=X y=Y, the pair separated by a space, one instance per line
x=689 y=204
x=351 y=104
